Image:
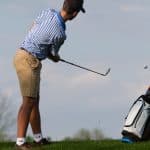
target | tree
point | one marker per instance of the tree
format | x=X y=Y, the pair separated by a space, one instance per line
x=82 y=134
x=97 y=134
x=6 y=117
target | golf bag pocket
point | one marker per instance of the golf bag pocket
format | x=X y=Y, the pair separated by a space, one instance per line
x=137 y=121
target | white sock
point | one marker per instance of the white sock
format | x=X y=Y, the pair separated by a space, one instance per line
x=20 y=141
x=38 y=137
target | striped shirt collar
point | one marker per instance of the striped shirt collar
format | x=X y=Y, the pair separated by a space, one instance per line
x=61 y=20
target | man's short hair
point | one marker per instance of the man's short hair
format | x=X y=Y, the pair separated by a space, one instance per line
x=70 y=6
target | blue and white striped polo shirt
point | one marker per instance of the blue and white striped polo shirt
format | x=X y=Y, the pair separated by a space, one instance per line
x=47 y=34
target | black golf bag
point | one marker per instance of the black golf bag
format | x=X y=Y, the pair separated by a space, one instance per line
x=137 y=122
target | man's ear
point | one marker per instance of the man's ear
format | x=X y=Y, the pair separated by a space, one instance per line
x=75 y=13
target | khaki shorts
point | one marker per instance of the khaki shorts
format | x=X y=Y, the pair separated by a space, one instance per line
x=28 y=70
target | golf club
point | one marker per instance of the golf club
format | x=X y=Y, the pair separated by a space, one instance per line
x=102 y=74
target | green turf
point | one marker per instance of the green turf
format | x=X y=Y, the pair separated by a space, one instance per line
x=86 y=145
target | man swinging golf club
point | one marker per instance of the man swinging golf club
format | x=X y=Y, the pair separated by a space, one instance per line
x=42 y=41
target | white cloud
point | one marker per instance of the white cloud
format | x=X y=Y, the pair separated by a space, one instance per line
x=133 y=88
x=8 y=92
x=132 y=8
x=51 y=74
x=88 y=79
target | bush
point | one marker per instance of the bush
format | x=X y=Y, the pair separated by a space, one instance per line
x=85 y=135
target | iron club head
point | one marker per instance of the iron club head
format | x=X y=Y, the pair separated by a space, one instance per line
x=108 y=71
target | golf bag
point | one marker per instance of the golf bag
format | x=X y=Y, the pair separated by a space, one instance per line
x=137 y=122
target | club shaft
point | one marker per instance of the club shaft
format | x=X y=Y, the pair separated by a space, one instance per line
x=85 y=68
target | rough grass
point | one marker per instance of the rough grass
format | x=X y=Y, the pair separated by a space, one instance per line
x=85 y=145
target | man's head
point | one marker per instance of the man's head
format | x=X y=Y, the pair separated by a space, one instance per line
x=73 y=7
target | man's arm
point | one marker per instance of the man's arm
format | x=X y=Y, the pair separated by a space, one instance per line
x=54 y=56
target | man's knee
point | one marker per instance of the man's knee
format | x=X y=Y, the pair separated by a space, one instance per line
x=29 y=102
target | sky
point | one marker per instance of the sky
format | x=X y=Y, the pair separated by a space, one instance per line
x=112 y=33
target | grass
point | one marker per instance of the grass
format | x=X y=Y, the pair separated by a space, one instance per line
x=86 y=145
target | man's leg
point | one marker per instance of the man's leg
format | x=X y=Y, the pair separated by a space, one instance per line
x=24 y=116
x=35 y=122
x=35 y=118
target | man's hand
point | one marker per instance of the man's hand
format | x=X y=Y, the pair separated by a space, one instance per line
x=54 y=58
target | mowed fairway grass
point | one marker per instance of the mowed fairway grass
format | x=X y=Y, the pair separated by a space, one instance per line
x=86 y=145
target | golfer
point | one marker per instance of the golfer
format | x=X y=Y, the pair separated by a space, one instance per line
x=44 y=40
